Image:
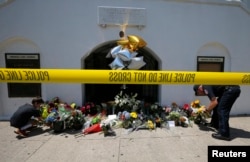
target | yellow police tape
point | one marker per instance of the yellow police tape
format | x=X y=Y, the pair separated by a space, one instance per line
x=13 y=75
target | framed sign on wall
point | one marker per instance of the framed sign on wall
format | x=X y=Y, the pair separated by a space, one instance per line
x=23 y=60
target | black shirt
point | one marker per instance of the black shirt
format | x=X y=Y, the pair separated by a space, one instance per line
x=23 y=114
x=213 y=90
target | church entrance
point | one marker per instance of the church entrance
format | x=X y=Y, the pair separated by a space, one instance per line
x=106 y=92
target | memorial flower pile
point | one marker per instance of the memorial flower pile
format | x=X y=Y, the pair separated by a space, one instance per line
x=130 y=113
x=61 y=116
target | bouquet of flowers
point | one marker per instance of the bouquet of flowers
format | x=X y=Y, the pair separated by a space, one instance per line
x=174 y=116
x=126 y=102
x=76 y=120
x=199 y=113
x=89 y=108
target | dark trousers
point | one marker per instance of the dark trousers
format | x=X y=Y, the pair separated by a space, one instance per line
x=215 y=116
x=224 y=107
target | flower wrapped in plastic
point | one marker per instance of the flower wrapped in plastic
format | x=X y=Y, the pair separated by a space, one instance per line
x=44 y=111
x=174 y=116
x=149 y=124
x=125 y=102
x=61 y=122
x=53 y=116
x=76 y=120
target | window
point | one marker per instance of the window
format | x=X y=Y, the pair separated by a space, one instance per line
x=20 y=60
x=210 y=64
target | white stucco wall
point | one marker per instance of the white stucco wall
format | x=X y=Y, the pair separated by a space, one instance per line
x=64 y=31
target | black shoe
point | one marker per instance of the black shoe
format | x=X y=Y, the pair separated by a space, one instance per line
x=211 y=125
x=220 y=137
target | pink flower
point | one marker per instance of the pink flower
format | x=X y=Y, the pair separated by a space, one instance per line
x=88 y=107
x=168 y=109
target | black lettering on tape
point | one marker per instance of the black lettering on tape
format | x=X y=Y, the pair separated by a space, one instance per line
x=165 y=77
x=152 y=77
x=140 y=77
x=246 y=79
x=120 y=76
x=13 y=75
x=46 y=74
x=183 y=78
x=2 y=77
x=111 y=76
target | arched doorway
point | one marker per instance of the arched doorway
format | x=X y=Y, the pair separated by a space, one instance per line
x=106 y=92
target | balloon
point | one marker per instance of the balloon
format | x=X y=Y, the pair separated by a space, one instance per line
x=125 y=53
x=138 y=41
x=108 y=55
x=133 y=47
x=136 y=63
x=133 y=54
x=115 y=50
x=117 y=64
x=123 y=42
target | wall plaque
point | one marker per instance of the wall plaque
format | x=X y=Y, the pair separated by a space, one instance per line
x=121 y=16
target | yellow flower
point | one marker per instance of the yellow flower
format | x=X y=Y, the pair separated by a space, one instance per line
x=45 y=112
x=200 y=110
x=73 y=105
x=133 y=114
x=150 y=124
x=197 y=102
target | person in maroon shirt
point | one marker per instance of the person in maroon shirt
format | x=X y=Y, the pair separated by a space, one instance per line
x=221 y=98
x=21 y=119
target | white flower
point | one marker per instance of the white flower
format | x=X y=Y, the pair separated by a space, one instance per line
x=125 y=100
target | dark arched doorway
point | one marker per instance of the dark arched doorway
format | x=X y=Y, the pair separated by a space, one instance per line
x=106 y=92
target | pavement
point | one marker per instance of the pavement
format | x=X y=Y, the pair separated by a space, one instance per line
x=176 y=144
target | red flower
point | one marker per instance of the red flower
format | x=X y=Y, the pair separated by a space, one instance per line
x=186 y=107
x=83 y=109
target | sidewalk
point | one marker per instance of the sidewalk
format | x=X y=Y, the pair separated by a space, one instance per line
x=177 y=144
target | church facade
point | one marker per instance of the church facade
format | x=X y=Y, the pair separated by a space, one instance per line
x=194 y=35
